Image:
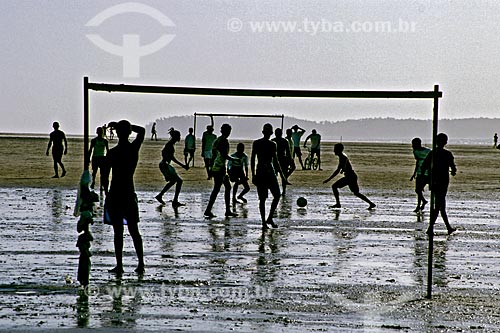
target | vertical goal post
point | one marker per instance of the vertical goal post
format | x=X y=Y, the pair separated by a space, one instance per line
x=434 y=94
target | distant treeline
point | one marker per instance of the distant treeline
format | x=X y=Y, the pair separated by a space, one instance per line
x=475 y=130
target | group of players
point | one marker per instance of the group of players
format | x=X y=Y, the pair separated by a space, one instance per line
x=269 y=158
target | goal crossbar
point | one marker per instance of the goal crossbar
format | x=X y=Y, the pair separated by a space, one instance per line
x=432 y=94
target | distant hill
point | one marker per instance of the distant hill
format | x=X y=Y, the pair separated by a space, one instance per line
x=470 y=130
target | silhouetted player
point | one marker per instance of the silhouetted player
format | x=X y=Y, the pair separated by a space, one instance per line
x=153 y=132
x=59 y=147
x=121 y=206
x=421 y=177
x=98 y=149
x=283 y=154
x=442 y=161
x=495 y=140
x=296 y=135
x=315 y=146
x=238 y=172
x=264 y=175
x=350 y=178
x=218 y=172
x=189 y=147
x=168 y=170
x=291 y=166
x=207 y=142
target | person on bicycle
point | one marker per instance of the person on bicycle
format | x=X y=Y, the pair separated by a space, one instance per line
x=315 y=146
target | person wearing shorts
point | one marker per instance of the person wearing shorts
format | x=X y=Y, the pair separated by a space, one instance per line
x=440 y=164
x=219 y=172
x=169 y=172
x=283 y=153
x=59 y=146
x=350 y=178
x=207 y=141
x=315 y=146
x=120 y=206
x=264 y=174
x=237 y=170
x=98 y=149
x=421 y=177
x=296 y=135
x=189 y=147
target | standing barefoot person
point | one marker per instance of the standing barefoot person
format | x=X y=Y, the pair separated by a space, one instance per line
x=207 y=142
x=121 y=206
x=238 y=172
x=283 y=153
x=98 y=150
x=264 y=176
x=350 y=178
x=218 y=172
x=421 y=177
x=168 y=170
x=59 y=146
x=443 y=162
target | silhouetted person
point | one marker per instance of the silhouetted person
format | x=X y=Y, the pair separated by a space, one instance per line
x=207 y=141
x=105 y=131
x=168 y=171
x=296 y=135
x=350 y=178
x=121 y=205
x=189 y=147
x=439 y=163
x=264 y=174
x=238 y=172
x=495 y=140
x=315 y=146
x=59 y=146
x=153 y=132
x=421 y=177
x=283 y=154
x=111 y=132
x=98 y=149
x=218 y=172
x=291 y=166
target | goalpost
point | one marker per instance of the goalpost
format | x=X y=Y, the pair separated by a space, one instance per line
x=435 y=95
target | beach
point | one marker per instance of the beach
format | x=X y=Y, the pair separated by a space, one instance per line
x=322 y=270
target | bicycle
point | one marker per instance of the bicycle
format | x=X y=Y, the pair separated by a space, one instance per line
x=311 y=162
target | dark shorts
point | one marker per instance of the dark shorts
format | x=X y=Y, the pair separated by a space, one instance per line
x=349 y=180
x=168 y=172
x=97 y=162
x=297 y=151
x=315 y=151
x=420 y=182
x=120 y=207
x=189 y=152
x=57 y=154
x=266 y=182
x=236 y=175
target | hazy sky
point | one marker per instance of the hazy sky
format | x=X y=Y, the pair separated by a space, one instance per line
x=342 y=45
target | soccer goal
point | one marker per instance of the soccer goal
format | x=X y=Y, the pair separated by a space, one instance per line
x=434 y=94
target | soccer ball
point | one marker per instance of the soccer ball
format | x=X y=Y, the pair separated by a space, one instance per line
x=301 y=202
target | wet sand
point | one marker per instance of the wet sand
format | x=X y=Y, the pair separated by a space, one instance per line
x=322 y=270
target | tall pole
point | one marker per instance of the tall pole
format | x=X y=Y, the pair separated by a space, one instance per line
x=194 y=131
x=433 y=197
x=86 y=157
x=282 y=120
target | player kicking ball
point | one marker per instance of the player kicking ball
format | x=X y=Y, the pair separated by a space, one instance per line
x=350 y=178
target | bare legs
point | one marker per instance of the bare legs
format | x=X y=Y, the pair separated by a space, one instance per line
x=134 y=232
